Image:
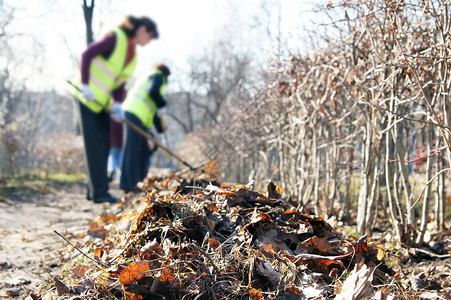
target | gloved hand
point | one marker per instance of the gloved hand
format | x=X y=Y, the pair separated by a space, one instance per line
x=87 y=92
x=117 y=114
x=151 y=145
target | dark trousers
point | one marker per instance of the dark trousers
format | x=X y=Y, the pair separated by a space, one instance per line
x=135 y=155
x=96 y=134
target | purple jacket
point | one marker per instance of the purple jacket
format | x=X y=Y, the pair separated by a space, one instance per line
x=116 y=133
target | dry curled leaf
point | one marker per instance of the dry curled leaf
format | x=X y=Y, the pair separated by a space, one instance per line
x=97 y=230
x=262 y=217
x=358 y=284
x=61 y=287
x=80 y=271
x=255 y=294
x=134 y=271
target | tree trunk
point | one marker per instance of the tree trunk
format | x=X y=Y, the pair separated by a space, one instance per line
x=424 y=217
x=371 y=212
x=406 y=185
x=396 y=183
x=300 y=177
x=388 y=173
x=88 y=11
x=315 y=166
x=439 y=190
x=445 y=87
x=364 y=181
x=327 y=183
x=334 y=194
x=346 y=204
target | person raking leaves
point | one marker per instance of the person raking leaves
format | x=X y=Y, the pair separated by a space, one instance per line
x=105 y=67
x=140 y=108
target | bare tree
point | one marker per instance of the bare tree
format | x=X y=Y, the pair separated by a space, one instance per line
x=351 y=109
x=214 y=78
x=27 y=118
x=9 y=94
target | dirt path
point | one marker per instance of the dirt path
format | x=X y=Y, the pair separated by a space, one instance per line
x=30 y=251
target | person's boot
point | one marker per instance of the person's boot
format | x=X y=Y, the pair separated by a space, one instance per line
x=106 y=199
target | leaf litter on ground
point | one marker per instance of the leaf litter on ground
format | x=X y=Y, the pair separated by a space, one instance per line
x=186 y=236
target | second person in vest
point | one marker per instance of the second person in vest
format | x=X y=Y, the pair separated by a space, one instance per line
x=140 y=108
x=105 y=67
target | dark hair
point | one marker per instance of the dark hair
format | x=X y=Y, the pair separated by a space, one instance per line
x=164 y=69
x=131 y=24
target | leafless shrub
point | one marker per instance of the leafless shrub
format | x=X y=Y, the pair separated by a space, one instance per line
x=355 y=108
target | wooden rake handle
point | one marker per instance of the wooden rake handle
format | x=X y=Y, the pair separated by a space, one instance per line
x=140 y=131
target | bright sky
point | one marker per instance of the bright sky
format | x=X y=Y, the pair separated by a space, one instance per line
x=185 y=28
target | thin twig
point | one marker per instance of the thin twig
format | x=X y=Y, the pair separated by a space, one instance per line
x=99 y=262
x=407 y=118
x=432 y=254
x=431 y=110
x=420 y=157
x=432 y=179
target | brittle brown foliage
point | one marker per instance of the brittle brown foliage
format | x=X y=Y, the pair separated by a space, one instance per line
x=219 y=241
x=370 y=104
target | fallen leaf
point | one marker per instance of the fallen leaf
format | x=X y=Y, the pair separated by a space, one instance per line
x=255 y=294
x=98 y=252
x=166 y=276
x=61 y=287
x=134 y=271
x=213 y=243
x=380 y=254
x=34 y=296
x=97 y=230
x=269 y=248
x=319 y=245
x=80 y=271
x=262 y=217
x=264 y=268
x=151 y=247
x=358 y=284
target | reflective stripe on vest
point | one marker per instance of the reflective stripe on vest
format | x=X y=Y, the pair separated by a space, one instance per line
x=139 y=102
x=106 y=75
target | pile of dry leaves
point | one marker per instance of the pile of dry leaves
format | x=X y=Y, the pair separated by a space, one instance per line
x=185 y=237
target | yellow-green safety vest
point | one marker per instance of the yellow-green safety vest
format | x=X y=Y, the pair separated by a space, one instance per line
x=106 y=75
x=139 y=102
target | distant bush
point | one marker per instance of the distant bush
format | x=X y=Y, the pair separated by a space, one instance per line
x=61 y=153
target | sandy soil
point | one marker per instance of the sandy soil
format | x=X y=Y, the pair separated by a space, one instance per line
x=30 y=251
